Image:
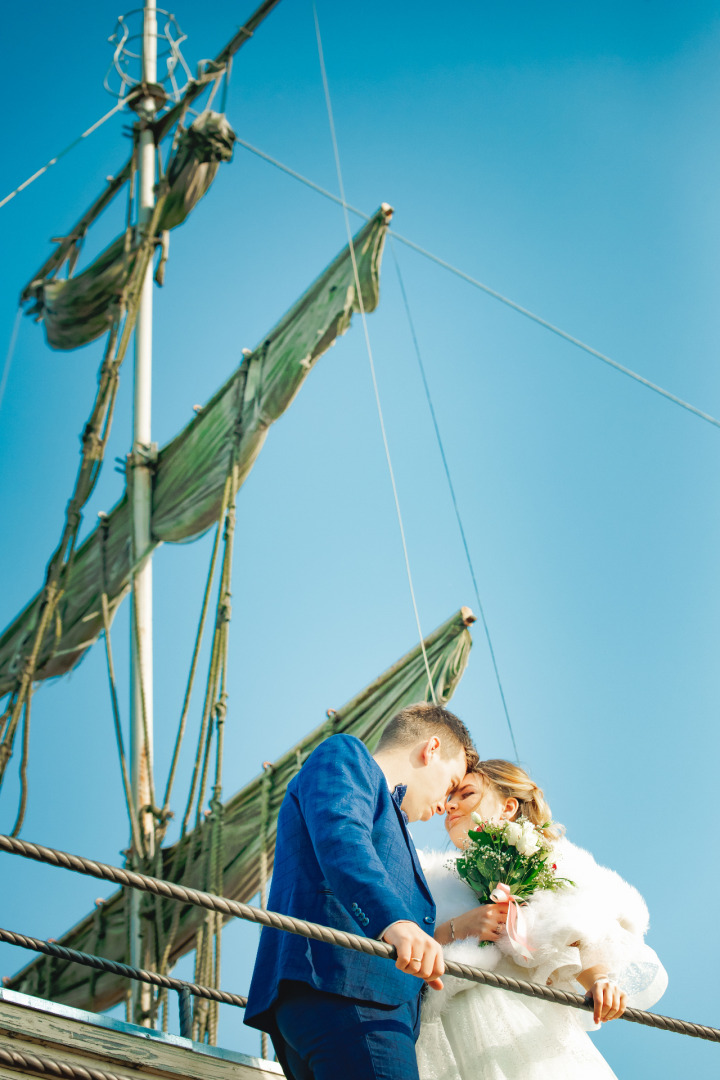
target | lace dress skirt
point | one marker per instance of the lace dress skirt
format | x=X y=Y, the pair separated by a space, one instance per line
x=489 y=1034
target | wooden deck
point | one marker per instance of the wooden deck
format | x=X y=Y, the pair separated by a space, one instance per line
x=32 y=1025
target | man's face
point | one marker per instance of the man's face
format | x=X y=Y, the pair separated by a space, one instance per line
x=432 y=779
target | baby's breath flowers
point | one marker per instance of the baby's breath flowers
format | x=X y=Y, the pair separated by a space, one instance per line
x=512 y=853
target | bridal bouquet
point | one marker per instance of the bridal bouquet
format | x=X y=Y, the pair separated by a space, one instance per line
x=508 y=862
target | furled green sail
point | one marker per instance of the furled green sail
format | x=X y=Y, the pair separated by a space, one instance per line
x=191 y=470
x=208 y=141
x=77 y=310
x=104 y=932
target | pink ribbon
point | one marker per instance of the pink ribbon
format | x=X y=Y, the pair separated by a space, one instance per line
x=516 y=925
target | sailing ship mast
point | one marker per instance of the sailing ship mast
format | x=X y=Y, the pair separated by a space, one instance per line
x=140 y=468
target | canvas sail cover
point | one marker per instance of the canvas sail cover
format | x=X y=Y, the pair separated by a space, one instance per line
x=191 y=470
x=104 y=932
x=79 y=309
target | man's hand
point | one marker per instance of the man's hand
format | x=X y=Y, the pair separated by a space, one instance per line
x=417 y=953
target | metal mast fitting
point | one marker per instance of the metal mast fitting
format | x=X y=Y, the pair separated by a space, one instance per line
x=129 y=39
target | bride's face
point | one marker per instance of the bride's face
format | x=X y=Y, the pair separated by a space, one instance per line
x=476 y=795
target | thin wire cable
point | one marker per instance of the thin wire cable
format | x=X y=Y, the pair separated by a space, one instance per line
x=358 y=291
x=299 y=176
x=558 y=331
x=10 y=354
x=451 y=486
x=486 y=289
x=68 y=148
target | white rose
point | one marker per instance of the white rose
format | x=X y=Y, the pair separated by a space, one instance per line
x=528 y=843
x=513 y=834
x=477 y=819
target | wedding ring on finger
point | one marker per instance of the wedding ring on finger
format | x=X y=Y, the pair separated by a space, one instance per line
x=417 y=959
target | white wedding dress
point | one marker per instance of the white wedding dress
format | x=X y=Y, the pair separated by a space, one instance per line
x=473 y=1032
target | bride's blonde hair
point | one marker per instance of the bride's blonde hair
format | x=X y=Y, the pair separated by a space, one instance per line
x=512 y=782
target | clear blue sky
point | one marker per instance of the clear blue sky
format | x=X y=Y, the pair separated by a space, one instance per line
x=567 y=155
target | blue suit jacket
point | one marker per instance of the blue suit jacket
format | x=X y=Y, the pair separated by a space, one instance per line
x=344 y=858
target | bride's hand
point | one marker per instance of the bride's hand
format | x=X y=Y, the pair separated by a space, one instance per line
x=609 y=1001
x=486 y=922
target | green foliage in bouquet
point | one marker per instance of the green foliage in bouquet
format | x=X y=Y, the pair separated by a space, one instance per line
x=516 y=853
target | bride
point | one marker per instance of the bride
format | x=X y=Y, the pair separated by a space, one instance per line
x=589 y=933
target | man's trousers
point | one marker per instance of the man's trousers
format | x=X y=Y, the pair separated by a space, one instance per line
x=329 y=1037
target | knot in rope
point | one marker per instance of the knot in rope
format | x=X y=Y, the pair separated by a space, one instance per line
x=158 y=813
x=230 y=521
x=26 y=667
x=92 y=444
x=73 y=513
x=220 y=709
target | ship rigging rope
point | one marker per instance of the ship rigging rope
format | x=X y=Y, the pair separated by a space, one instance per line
x=451 y=486
x=315 y=932
x=135 y=832
x=94 y=442
x=22 y=806
x=191 y=675
x=358 y=292
x=445 y=265
x=10 y=353
x=53 y=161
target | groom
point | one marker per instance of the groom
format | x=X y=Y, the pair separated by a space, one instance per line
x=344 y=858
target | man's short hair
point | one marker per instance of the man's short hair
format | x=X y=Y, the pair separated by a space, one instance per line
x=422 y=721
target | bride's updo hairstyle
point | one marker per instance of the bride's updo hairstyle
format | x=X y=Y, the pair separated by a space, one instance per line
x=512 y=782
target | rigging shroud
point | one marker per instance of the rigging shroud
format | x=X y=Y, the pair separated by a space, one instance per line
x=104 y=932
x=191 y=470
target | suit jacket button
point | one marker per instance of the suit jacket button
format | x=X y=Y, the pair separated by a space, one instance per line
x=428 y=919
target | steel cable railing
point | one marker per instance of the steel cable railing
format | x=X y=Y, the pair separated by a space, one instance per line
x=39 y=1065
x=184 y=989
x=186 y=895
